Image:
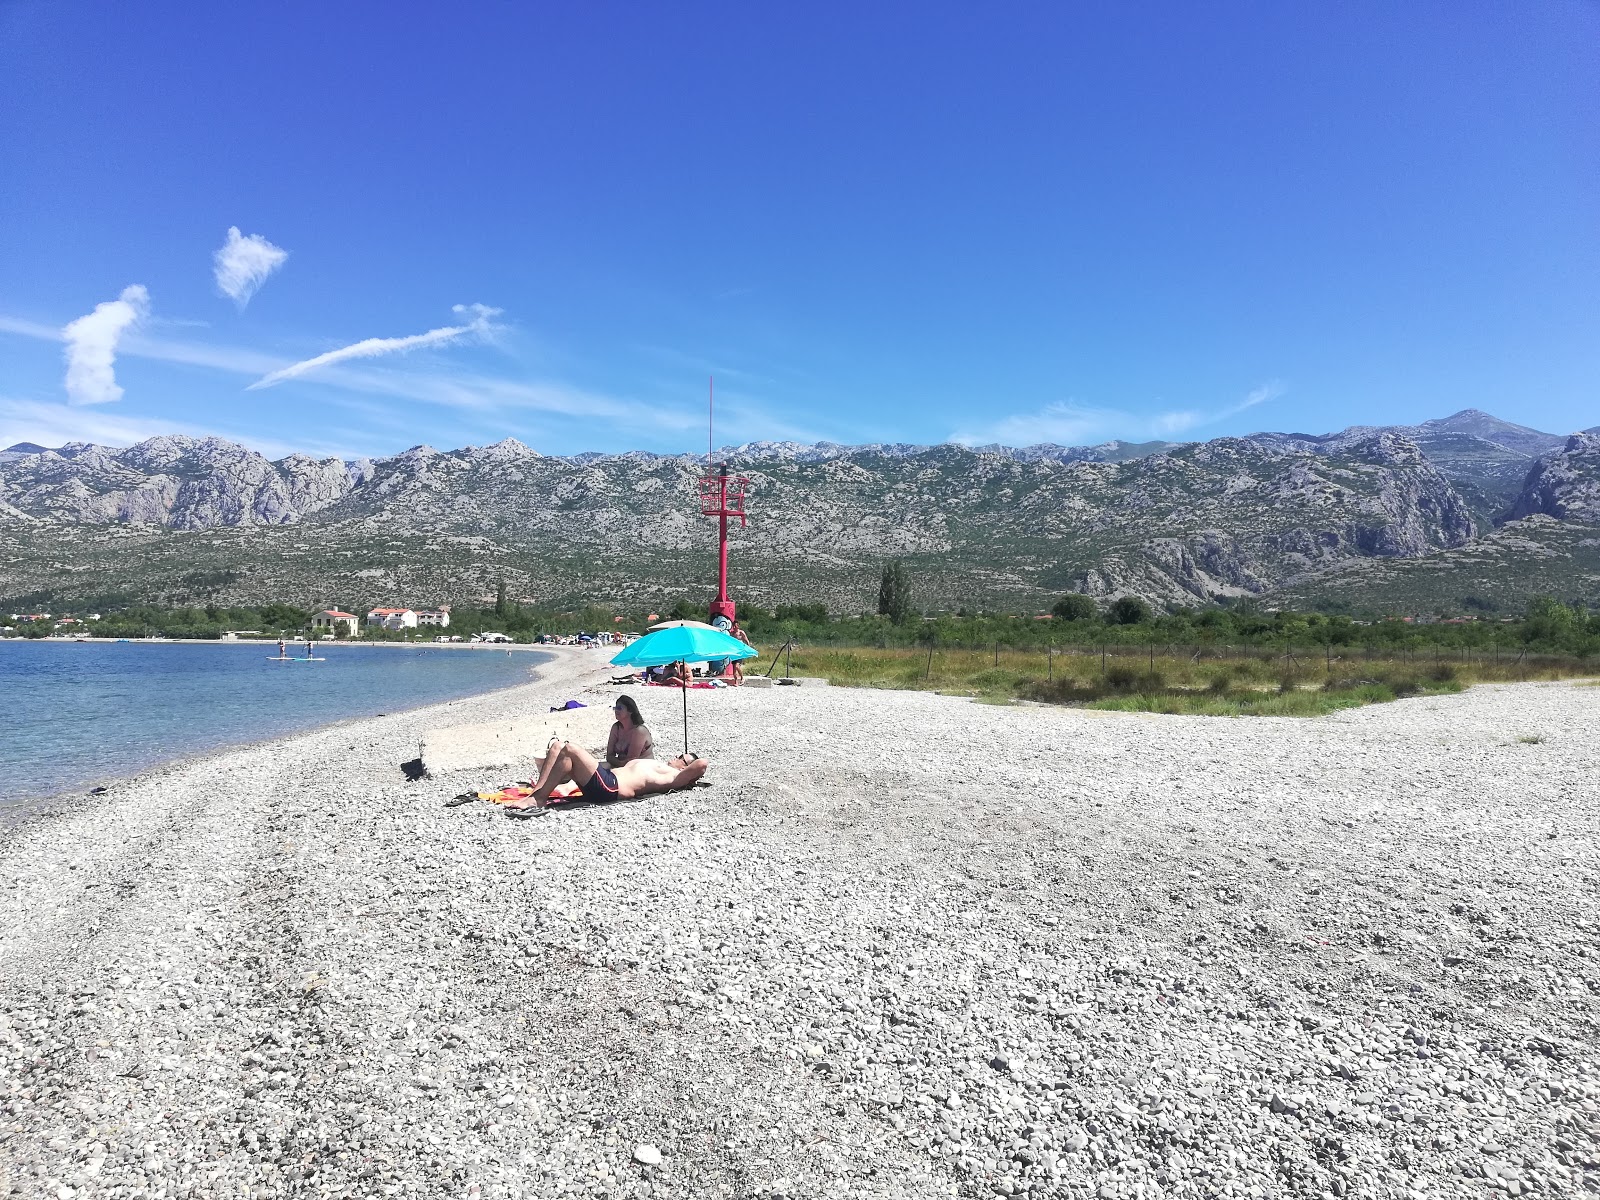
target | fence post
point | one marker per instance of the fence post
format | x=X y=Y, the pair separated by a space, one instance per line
x=1050 y=663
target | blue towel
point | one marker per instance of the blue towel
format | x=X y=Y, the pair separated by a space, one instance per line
x=568 y=705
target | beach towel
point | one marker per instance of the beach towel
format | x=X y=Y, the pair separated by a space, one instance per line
x=521 y=791
x=570 y=704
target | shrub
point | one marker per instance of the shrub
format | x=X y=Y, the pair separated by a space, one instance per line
x=1443 y=673
x=1128 y=610
x=1220 y=683
x=1405 y=687
x=1075 y=607
x=1150 y=682
x=1121 y=679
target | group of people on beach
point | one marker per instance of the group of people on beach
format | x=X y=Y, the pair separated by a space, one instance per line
x=725 y=670
x=631 y=769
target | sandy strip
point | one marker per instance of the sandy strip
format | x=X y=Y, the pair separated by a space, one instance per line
x=907 y=945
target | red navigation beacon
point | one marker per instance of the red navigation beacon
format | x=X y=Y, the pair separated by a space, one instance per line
x=722 y=496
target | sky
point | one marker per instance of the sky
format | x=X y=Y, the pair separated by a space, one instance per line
x=349 y=229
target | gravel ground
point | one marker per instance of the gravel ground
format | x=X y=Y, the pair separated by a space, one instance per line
x=906 y=945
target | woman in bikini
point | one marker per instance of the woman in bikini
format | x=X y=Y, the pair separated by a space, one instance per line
x=630 y=736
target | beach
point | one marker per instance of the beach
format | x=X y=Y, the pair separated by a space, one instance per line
x=904 y=945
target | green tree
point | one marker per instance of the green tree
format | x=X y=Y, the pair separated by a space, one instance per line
x=500 y=599
x=1128 y=610
x=1075 y=606
x=894 y=593
x=1549 y=622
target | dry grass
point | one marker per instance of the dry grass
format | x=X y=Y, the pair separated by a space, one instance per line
x=1133 y=680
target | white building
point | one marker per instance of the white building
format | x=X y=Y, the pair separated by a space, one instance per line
x=331 y=620
x=392 y=619
x=439 y=617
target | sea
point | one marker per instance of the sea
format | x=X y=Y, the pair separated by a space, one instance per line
x=75 y=715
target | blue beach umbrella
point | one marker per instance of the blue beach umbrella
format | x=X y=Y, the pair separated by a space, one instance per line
x=686 y=644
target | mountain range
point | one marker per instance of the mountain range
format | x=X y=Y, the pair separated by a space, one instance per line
x=1465 y=510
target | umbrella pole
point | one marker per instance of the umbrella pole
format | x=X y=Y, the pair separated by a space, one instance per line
x=683 y=669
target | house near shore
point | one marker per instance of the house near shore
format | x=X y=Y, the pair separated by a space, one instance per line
x=438 y=618
x=392 y=619
x=331 y=620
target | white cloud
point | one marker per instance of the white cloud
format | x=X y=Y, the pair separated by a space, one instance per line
x=243 y=263
x=1270 y=390
x=32 y=329
x=488 y=395
x=55 y=424
x=480 y=324
x=92 y=346
x=1067 y=423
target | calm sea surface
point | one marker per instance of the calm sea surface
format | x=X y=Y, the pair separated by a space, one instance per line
x=76 y=715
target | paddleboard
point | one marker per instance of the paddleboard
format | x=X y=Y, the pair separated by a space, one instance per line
x=275 y=658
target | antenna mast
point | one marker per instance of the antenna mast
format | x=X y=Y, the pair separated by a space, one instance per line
x=721 y=496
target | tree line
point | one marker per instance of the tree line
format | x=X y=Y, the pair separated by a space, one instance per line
x=1548 y=625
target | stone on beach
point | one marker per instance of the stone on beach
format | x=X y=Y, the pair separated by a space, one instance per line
x=1141 y=956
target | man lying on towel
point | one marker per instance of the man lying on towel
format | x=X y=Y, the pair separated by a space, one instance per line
x=568 y=762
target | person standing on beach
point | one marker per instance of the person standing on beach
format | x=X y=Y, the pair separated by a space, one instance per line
x=738 y=632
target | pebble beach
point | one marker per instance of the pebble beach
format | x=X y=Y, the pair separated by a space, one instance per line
x=906 y=945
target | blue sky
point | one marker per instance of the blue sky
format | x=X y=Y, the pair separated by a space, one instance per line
x=1025 y=222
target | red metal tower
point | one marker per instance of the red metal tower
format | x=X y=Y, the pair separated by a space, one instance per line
x=721 y=496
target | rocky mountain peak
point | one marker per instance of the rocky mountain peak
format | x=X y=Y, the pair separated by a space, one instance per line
x=506 y=450
x=1565 y=485
x=1390 y=448
x=1491 y=429
x=1583 y=442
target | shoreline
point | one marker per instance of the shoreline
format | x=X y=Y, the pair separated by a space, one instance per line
x=107 y=641
x=15 y=814
x=1354 y=955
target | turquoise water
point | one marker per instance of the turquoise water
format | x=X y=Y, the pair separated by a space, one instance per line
x=76 y=715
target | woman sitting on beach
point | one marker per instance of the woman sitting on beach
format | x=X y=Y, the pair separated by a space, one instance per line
x=568 y=762
x=630 y=736
x=670 y=675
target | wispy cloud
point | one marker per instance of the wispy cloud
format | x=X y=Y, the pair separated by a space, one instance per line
x=1068 y=423
x=485 y=395
x=512 y=400
x=92 y=346
x=135 y=344
x=33 y=329
x=699 y=363
x=56 y=424
x=243 y=262
x=479 y=325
